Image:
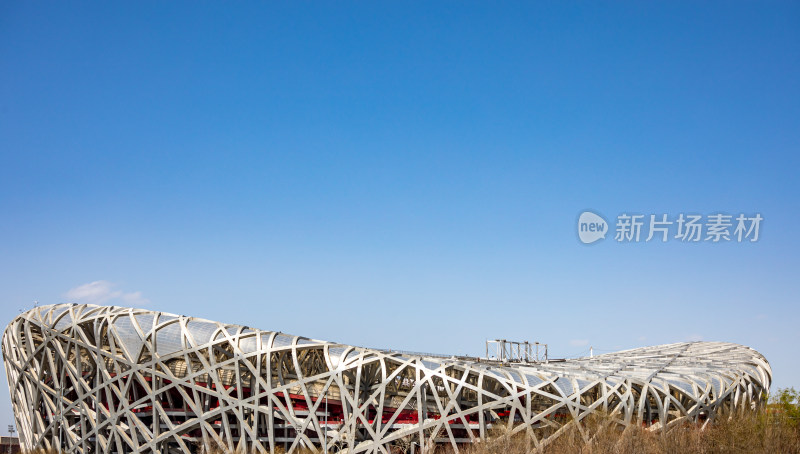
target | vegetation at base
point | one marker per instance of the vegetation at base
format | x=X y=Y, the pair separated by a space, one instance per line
x=773 y=429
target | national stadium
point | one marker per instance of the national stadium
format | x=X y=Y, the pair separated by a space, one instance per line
x=100 y=379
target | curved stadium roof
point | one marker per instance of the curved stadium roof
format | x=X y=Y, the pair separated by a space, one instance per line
x=110 y=379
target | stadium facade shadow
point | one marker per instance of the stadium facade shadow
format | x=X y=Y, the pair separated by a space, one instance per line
x=98 y=379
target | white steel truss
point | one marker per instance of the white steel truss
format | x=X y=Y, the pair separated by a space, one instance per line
x=96 y=379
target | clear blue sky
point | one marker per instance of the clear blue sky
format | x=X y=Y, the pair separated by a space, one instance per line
x=403 y=174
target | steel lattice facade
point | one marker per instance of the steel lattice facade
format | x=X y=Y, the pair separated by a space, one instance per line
x=98 y=379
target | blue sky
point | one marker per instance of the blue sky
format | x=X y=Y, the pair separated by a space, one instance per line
x=405 y=175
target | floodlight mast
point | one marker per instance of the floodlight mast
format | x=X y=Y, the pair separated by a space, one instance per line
x=10 y=436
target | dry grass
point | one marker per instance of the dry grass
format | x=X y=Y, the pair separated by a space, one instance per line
x=749 y=432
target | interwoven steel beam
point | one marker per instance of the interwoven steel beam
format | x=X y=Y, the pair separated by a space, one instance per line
x=98 y=379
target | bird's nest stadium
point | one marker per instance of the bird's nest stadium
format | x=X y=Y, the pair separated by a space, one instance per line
x=97 y=379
